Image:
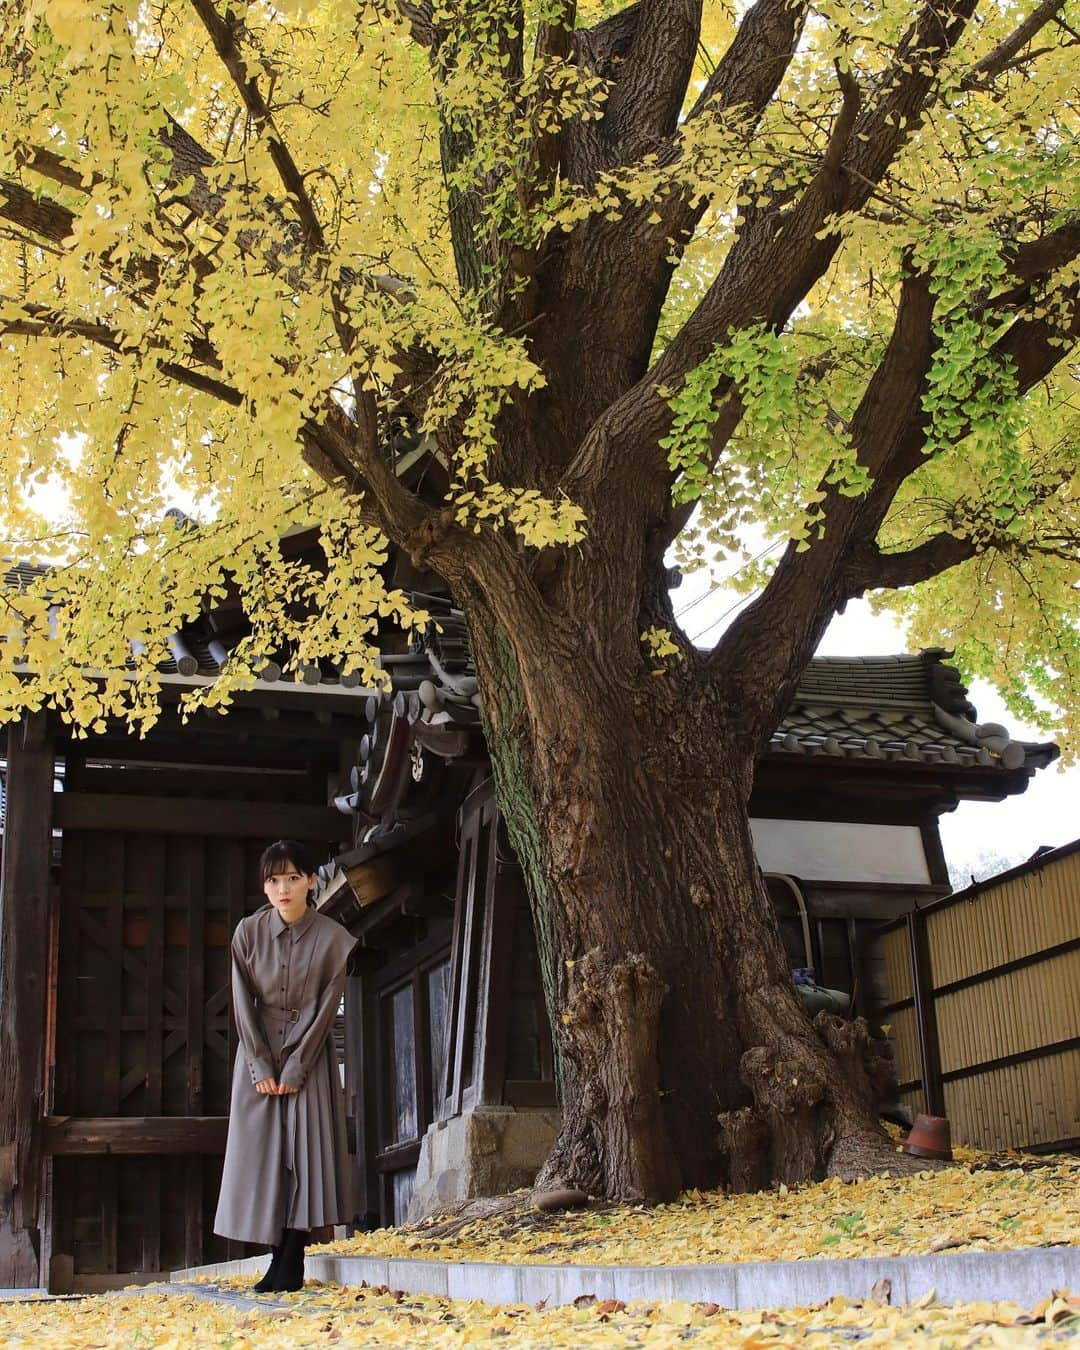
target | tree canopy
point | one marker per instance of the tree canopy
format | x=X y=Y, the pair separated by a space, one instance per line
x=266 y=257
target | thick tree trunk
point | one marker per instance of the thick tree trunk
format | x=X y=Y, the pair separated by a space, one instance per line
x=685 y=1055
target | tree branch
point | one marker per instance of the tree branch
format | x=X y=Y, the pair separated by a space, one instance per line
x=751 y=69
x=772 y=253
x=1036 y=259
x=870 y=570
x=644 y=105
x=343 y=454
x=41 y=322
x=604 y=48
x=223 y=33
x=554 y=43
x=779 y=255
x=38 y=214
x=1001 y=57
x=776 y=635
x=417 y=14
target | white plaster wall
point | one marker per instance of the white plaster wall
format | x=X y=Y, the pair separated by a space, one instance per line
x=830 y=850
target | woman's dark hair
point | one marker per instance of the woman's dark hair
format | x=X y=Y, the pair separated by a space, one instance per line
x=278 y=856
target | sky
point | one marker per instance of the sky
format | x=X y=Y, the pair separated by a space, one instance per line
x=976 y=833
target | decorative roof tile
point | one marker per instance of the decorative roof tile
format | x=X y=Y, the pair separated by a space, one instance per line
x=903 y=708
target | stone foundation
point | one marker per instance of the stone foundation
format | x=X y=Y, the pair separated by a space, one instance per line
x=486 y=1151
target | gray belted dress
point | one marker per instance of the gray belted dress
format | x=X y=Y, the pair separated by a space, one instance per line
x=286 y=1158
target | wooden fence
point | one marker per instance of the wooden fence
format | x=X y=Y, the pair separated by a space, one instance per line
x=984 y=1006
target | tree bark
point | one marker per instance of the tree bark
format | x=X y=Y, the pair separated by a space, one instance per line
x=626 y=796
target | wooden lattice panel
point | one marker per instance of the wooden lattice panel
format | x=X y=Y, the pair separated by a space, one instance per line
x=1019 y=1010
x=896 y=953
x=1006 y=922
x=1019 y=1106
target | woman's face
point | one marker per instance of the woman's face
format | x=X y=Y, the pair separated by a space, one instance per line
x=287 y=891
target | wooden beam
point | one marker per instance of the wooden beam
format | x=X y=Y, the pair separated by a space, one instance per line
x=171 y=815
x=922 y=980
x=24 y=977
x=371 y=880
x=98 y=1135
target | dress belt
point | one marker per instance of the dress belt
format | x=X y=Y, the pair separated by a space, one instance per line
x=287 y=1014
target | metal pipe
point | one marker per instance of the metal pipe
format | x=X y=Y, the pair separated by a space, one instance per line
x=800 y=902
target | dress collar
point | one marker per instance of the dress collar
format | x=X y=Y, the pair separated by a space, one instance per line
x=299 y=926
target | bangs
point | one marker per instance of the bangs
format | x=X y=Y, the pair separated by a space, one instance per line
x=284 y=856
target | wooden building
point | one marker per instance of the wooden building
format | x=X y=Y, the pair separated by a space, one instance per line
x=119 y=893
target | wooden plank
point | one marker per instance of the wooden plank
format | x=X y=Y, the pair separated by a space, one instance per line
x=151 y=1213
x=195 y=881
x=187 y=782
x=459 y=967
x=422 y=1053
x=525 y=1092
x=235 y=882
x=107 y=1177
x=154 y=1044
x=170 y=815
x=371 y=880
x=355 y=1077
x=493 y=1011
x=111 y=997
x=103 y=1135
x=239 y=880
x=926 y=1021
x=196 y=974
x=193 y=1212
x=24 y=944
x=473 y=978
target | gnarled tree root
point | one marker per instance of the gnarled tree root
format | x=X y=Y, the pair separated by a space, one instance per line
x=803 y=1127
x=608 y=1038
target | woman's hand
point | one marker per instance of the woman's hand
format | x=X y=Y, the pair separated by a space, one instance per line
x=286 y=1089
x=267 y=1087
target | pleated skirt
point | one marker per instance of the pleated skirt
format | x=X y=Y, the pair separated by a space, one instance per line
x=287 y=1163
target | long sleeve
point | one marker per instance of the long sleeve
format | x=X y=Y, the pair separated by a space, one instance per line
x=248 y=1023
x=307 y=1050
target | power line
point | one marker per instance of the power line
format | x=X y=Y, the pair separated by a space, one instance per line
x=769 y=548
x=717 y=622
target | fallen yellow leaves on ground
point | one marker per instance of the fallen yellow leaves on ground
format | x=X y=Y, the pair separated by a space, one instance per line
x=971 y=1205
x=335 y=1315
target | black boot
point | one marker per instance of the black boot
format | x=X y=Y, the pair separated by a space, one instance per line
x=291 y=1270
x=268 y=1283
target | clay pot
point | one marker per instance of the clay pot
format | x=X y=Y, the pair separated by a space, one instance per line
x=929 y=1138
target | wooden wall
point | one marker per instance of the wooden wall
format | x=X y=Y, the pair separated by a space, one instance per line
x=25 y=911
x=984 y=1005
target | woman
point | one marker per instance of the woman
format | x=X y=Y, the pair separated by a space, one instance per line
x=286 y=1161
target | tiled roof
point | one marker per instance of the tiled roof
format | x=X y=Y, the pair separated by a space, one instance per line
x=905 y=708
x=902 y=708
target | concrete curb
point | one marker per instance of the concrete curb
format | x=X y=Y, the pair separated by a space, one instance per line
x=1024 y=1275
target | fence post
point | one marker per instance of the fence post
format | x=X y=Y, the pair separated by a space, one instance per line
x=925 y=1018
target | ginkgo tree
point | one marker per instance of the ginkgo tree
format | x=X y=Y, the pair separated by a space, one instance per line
x=625 y=278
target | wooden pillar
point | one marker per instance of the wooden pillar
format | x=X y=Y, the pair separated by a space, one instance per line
x=24 y=950
x=925 y=1016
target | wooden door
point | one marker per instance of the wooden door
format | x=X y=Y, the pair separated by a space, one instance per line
x=144 y=1049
